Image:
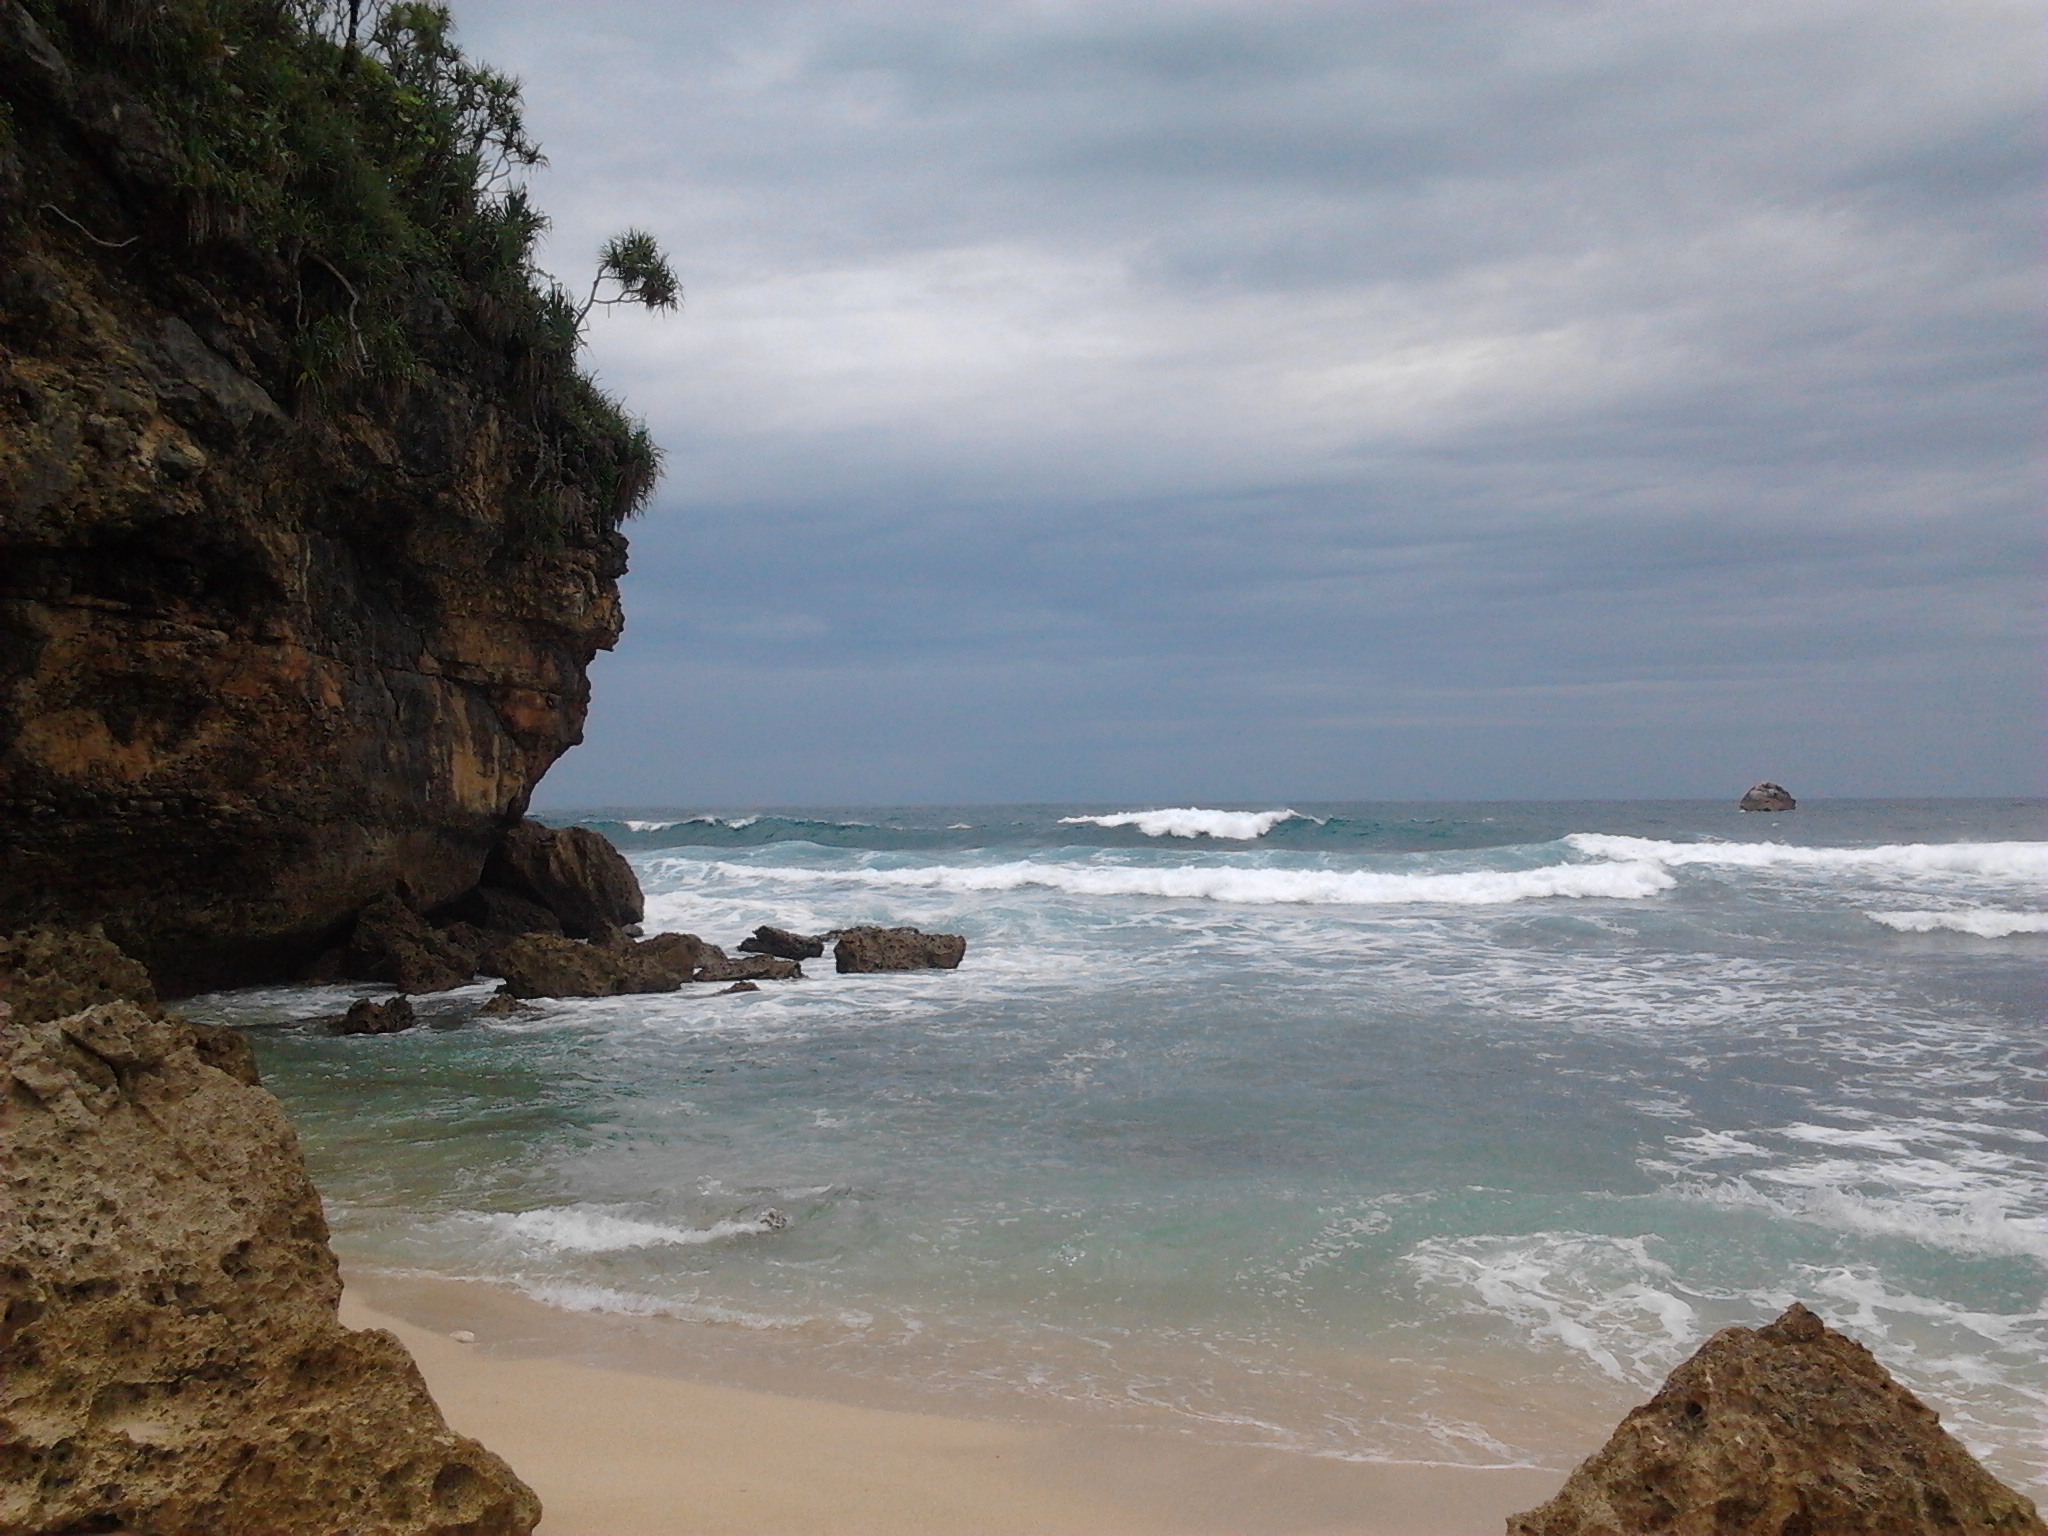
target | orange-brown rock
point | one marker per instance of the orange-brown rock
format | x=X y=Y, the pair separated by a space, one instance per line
x=171 y=1361
x=265 y=654
x=1786 y=1430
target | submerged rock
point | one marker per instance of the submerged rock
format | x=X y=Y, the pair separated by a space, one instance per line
x=1785 y=1430
x=172 y=1360
x=739 y=986
x=572 y=871
x=365 y=1017
x=781 y=943
x=897 y=949
x=1767 y=797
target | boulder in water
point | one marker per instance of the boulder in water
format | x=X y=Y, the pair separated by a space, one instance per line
x=752 y=968
x=365 y=1017
x=392 y=944
x=1767 y=797
x=1790 y=1430
x=547 y=965
x=781 y=943
x=861 y=950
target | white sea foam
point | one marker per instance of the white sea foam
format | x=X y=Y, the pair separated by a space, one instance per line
x=1984 y=922
x=1190 y=821
x=1250 y=887
x=1979 y=1225
x=2025 y=861
x=594 y=1229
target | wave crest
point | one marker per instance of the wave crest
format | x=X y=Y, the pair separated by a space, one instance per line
x=1191 y=821
x=1984 y=922
x=593 y=1229
x=2023 y=861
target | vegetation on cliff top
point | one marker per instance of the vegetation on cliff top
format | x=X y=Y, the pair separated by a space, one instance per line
x=350 y=148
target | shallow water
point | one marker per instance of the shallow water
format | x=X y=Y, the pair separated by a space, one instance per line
x=1366 y=1130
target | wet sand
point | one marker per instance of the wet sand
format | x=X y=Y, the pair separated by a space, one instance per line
x=624 y=1452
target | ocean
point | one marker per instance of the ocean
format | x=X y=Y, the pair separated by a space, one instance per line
x=1402 y=1132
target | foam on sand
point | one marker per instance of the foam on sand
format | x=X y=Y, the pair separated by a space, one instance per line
x=1190 y=821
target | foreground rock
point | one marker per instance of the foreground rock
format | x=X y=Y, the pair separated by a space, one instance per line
x=365 y=1017
x=1790 y=1430
x=781 y=943
x=897 y=949
x=172 y=1361
x=46 y=973
x=1767 y=797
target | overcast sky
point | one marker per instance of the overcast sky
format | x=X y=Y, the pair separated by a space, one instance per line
x=1173 y=402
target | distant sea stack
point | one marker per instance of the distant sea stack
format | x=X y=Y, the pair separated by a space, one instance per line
x=1790 y=1429
x=308 y=521
x=1768 y=797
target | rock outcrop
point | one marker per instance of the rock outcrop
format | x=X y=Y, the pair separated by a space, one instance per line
x=751 y=968
x=781 y=943
x=897 y=949
x=1785 y=1430
x=390 y=943
x=366 y=1017
x=572 y=872
x=1767 y=797
x=546 y=965
x=171 y=1360
x=269 y=647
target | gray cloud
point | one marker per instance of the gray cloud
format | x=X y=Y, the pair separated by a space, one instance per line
x=1247 y=400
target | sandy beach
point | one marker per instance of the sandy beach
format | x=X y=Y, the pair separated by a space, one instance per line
x=620 y=1453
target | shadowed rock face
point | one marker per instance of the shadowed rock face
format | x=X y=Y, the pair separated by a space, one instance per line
x=1786 y=1430
x=171 y=1361
x=261 y=661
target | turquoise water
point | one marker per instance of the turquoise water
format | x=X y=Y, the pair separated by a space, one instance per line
x=1364 y=1130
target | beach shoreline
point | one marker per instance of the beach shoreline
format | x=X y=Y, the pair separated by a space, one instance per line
x=622 y=1440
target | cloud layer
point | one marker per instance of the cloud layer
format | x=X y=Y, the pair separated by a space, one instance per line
x=1082 y=401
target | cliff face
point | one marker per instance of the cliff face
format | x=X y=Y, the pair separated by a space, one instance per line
x=266 y=651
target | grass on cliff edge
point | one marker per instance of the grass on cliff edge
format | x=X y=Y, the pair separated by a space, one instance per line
x=357 y=150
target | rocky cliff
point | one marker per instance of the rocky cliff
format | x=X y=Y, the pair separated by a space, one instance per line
x=308 y=524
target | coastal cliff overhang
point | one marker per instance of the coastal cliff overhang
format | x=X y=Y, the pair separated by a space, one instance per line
x=277 y=635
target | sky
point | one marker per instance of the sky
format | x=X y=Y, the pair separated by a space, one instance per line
x=1181 y=402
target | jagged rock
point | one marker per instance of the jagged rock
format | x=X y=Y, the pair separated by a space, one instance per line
x=542 y=965
x=172 y=1360
x=1786 y=1430
x=752 y=968
x=783 y=944
x=392 y=944
x=502 y=1005
x=365 y=1017
x=897 y=949
x=1767 y=797
x=225 y=1050
x=739 y=986
x=572 y=871
x=46 y=973
x=681 y=952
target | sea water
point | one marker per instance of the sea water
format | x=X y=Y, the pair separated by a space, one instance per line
x=1374 y=1131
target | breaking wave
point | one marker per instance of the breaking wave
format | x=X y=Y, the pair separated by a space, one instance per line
x=593 y=1229
x=1190 y=821
x=1984 y=922
x=2022 y=861
x=1251 y=887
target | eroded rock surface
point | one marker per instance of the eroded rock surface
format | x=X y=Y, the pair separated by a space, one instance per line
x=897 y=949
x=172 y=1362
x=546 y=965
x=573 y=872
x=750 y=968
x=1785 y=1430
x=367 y=1017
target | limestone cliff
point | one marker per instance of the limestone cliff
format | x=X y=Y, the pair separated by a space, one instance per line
x=308 y=527
x=170 y=1359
